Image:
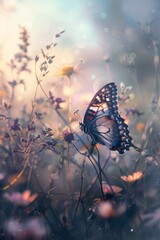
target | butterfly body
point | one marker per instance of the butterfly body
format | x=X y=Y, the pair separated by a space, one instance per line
x=103 y=122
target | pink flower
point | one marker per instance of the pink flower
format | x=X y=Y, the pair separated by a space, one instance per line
x=68 y=136
x=30 y=229
x=110 y=189
x=22 y=199
x=107 y=210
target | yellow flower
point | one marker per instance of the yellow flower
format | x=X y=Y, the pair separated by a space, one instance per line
x=132 y=178
x=67 y=71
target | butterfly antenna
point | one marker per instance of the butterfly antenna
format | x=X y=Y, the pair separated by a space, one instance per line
x=77 y=115
x=135 y=147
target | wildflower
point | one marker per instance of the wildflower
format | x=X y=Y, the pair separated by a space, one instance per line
x=132 y=178
x=31 y=126
x=38 y=115
x=36 y=58
x=58 y=101
x=68 y=136
x=21 y=59
x=123 y=97
x=55 y=101
x=13 y=83
x=30 y=229
x=22 y=199
x=44 y=67
x=67 y=71
x=140 y=127
x=15 y=126
x=51 y=98
x=50 y=59
x=7 y=105
x=103 y=209
x=110 y=189
x=59 y=34
x=47 y=132
x=108 y=209
x=51 y=143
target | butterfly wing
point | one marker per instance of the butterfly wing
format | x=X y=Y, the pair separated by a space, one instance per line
x=105 y=99
x=103 y=122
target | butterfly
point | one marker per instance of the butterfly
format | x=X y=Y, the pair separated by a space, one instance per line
x=103 y=122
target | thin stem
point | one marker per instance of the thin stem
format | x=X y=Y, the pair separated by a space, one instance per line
x=100 y=173
x=70 y=100
x=81 y=189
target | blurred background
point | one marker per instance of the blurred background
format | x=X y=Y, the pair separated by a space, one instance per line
x=113 y=38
